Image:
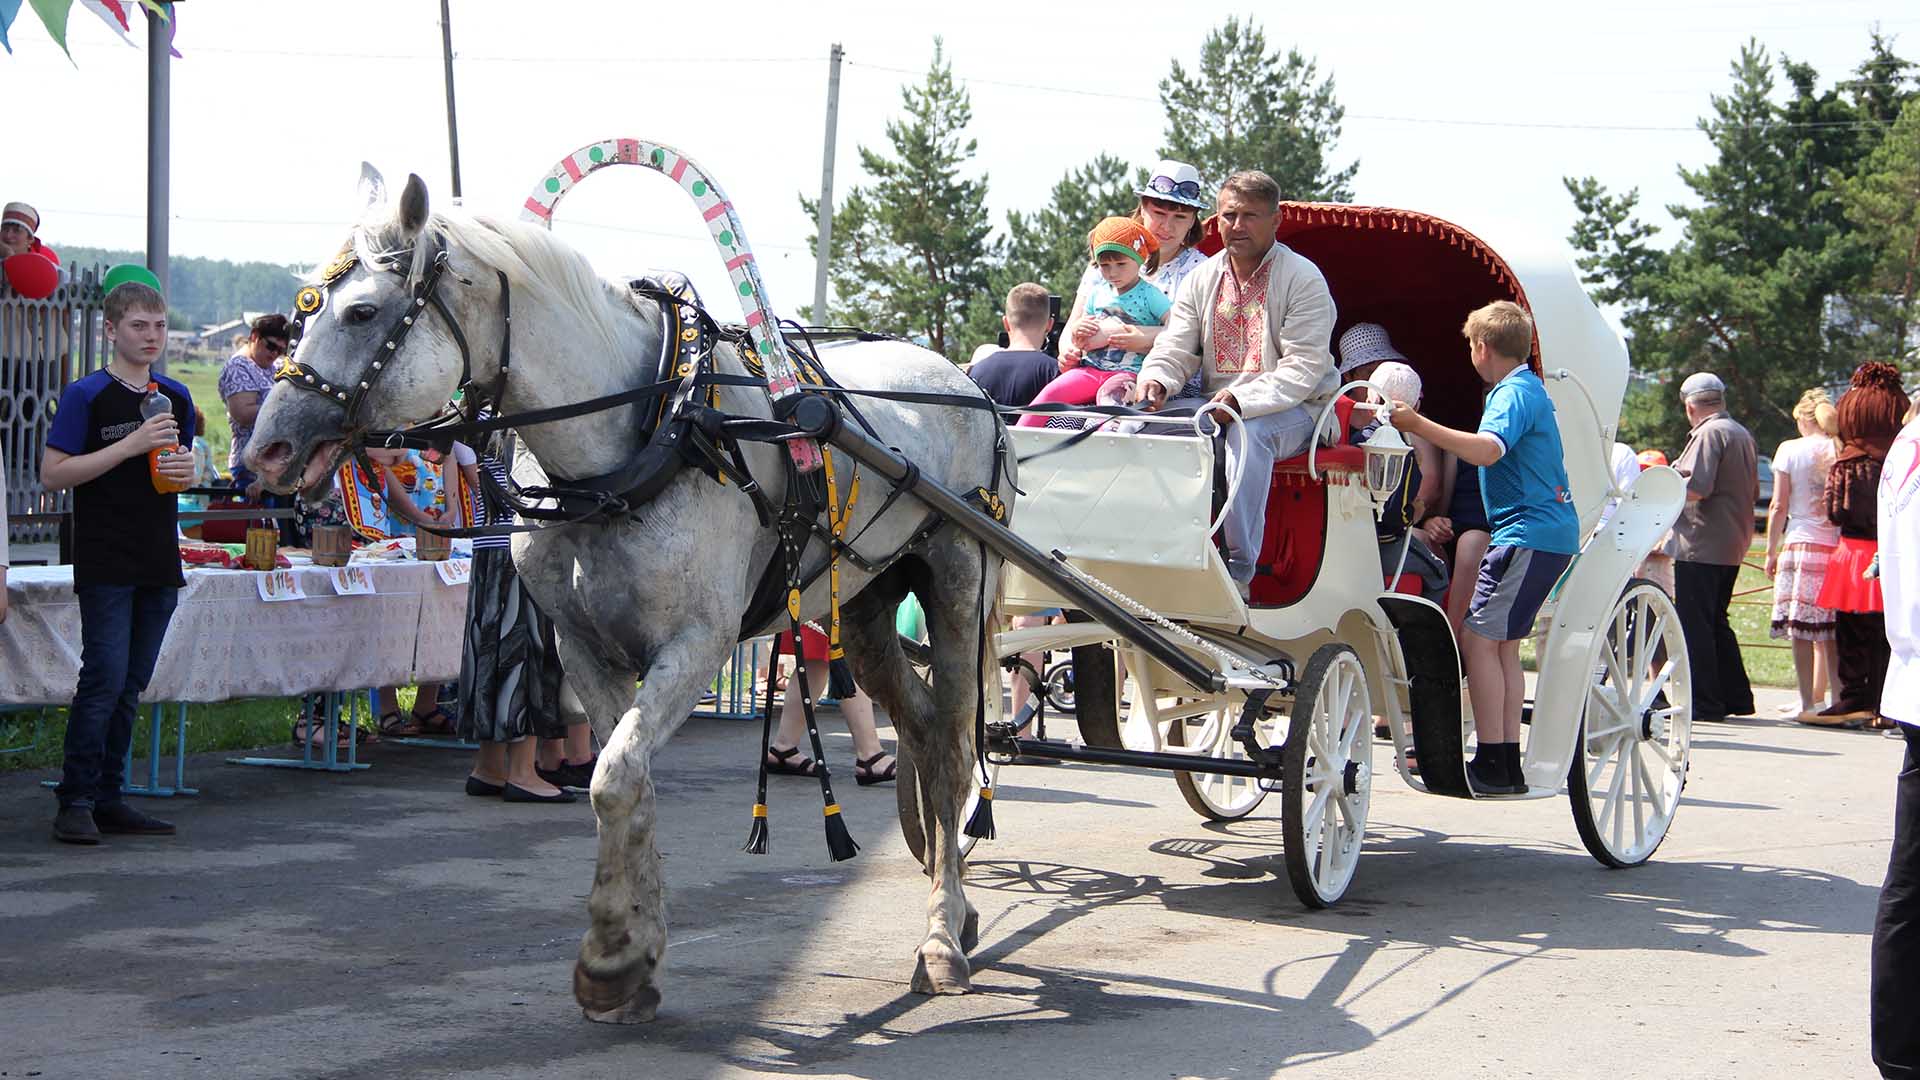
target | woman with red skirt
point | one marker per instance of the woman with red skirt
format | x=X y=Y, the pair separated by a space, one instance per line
x=1869 y=420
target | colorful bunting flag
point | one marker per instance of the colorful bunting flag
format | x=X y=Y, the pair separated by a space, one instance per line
x=53 y=14
x=114 y=14
x=8 y=9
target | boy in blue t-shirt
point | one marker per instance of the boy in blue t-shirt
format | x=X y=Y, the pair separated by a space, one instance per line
x=1536 y=532
x=126 y=554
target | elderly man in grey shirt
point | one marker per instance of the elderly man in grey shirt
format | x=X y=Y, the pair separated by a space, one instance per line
x=1709 y=542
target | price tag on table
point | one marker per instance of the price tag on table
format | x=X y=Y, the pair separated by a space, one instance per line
x=352 y=581
x=455 y=571
x=279 y=585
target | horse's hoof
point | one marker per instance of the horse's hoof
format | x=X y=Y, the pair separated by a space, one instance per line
x=939 y=971
x=623 y=998
x=970 y=932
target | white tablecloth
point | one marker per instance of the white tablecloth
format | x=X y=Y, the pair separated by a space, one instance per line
x=225 y=642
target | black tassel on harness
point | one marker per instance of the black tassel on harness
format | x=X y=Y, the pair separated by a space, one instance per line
x=757 y=836
x=980 y=823
x=840 y=680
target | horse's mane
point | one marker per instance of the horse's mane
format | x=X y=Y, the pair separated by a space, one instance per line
x=539 y=265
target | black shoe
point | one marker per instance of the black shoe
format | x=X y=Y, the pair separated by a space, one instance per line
x=481 y=788
x=1516 y=770
x=119 y=818
x=515 y=793
x=74 y=825
x=569 y=775
x=1486 y=778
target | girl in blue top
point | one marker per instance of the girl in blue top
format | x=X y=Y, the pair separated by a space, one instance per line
x=1124 y=250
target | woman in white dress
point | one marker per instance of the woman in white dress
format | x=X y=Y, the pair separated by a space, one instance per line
x=1800 y=542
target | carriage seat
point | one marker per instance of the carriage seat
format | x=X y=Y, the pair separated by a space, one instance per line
x=1296 y=530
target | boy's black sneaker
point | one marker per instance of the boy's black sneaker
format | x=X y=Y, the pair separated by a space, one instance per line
x=1516 y=770
x=1487 y=778
x=74 y=825
x=119 y=818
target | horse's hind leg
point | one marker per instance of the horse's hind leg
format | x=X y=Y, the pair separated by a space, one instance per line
x=935 y=731
x=617 y=976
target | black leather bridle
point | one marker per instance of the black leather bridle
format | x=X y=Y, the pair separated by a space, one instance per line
x=352 y=395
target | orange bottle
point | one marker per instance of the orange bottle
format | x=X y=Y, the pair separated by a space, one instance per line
x=158 y=404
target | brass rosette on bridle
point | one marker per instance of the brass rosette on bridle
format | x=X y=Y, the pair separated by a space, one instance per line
x=307 y=300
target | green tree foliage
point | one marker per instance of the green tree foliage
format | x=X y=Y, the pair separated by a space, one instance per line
x=1883 y=202
x=205 y=291
x=912 y=248
x=1049 y=245
x=1748 y=289
x=1247 y=107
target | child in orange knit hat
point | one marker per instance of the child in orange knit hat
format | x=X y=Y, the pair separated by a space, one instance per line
x=1124 y=251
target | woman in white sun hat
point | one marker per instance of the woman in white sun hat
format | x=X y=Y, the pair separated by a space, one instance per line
x=1170 y=208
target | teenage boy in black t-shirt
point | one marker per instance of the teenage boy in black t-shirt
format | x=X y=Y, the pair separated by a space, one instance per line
x=126 y=555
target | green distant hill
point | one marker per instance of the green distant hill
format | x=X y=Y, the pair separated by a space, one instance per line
x=205 y=290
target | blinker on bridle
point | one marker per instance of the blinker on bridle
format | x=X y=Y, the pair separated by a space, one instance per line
x=352 y=395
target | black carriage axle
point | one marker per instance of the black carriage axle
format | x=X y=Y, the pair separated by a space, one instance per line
x=819 y=418
x=1061 y=750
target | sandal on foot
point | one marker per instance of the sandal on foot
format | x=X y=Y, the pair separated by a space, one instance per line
x=437 y=722
x=313 y=731
x=865 y=775
x=781 y=761
x=400 y=725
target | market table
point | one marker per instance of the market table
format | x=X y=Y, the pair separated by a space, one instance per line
x=228 y=640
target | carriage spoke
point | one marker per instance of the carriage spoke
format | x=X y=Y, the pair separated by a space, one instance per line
x=1655 y=792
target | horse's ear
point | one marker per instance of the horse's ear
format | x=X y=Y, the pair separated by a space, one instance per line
x=372 y=187
x=413 y=206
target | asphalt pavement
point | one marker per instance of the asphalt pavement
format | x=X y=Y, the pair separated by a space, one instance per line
x=384 y=924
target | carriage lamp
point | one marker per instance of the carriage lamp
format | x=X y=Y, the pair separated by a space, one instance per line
x=1386 y=461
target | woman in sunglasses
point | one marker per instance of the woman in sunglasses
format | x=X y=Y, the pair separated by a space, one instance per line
x=1170 y=207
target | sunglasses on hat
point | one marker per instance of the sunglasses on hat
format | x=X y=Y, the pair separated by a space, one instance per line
x=1167 y=185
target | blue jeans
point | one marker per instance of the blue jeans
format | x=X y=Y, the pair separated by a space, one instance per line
x=121 y=627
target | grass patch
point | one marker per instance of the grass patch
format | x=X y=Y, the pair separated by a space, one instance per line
x=1769 y=662
x=202 y=380
x=32 y=739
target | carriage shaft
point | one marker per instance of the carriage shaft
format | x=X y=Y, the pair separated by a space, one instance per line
x=1008 y=545
x=1139 y=759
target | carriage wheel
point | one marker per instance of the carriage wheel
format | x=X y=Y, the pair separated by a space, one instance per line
x=1057 y=687
x=906 y=794
x=1328 y=760
x=1636 y=731
x=1212 y=795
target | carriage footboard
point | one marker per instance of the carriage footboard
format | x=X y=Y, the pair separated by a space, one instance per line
x=1433 y=677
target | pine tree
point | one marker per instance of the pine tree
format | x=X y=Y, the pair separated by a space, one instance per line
x=1749 y=289
x=911 y=249
x=1244 y=107
x=1883 y=200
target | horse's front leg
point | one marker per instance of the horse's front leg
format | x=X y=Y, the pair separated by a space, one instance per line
x=617 y=977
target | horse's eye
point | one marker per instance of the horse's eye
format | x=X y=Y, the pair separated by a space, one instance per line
x=361 y=313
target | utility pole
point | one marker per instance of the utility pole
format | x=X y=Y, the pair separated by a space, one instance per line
x=824 y=254
x=453 y=128
x=159 y=158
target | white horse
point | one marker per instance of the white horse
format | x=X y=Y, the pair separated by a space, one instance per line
x=658 y=594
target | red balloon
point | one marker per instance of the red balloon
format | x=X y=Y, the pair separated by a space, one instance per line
x=32 y=276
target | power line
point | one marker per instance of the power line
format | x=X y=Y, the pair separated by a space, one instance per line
x=480 y=58
x=1378 y=118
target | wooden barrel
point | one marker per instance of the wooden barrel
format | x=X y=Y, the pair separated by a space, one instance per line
x=431 y=547
x=332 y=545
x=263 y=543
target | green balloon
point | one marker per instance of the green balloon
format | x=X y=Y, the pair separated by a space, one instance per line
x=125 y=272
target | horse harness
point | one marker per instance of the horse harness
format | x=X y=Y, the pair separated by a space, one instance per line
x=683 y=428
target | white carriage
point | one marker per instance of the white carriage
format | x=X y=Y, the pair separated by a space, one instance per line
x=1325 y=646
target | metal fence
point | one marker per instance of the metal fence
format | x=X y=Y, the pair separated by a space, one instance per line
x=43 y=345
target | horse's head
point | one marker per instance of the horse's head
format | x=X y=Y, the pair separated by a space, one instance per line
x=380 y=345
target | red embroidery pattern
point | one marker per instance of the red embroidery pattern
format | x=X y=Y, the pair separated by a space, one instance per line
x=1240 y=323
